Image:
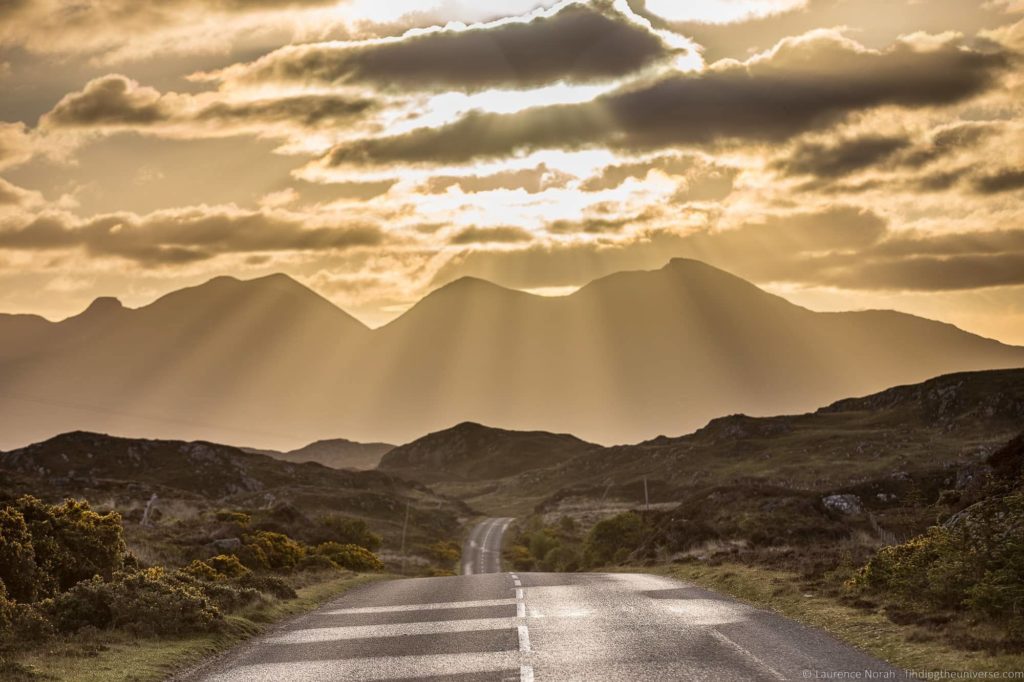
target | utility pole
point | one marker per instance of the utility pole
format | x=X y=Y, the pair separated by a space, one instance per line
x=404 y=527
x=647 y=500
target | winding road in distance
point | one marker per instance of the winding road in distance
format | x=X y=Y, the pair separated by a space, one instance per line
x=489 y=625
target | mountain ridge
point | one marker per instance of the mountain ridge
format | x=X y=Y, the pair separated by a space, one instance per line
x=627 y=356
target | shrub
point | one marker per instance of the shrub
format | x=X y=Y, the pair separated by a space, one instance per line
x=973 y=564
x=445 y=551
x=346 y=531
x=72 y=543
x=520 y=558
x=274 y=551
x=147 y=602
x=21 y=622
x=614 y=539
x=317 y=562
x=201 y=570
x=268 y=584
x=18 y=569
x=352 y=557
x=227 y=565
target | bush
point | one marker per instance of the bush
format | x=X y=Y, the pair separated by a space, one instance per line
x=346 y=531
x=236 y=517
x=21 y=622
x=148 y=602
x=227 y=565
x=268 y=584
x=273 y=551
x=72 y=543
x=975 y=564
x=352 y=557
x=445 y=551
x=201 y=570
x=18 y=570
x=612 y=540
x=317 y=562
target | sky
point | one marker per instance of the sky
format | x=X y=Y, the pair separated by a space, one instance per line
x=846 y=154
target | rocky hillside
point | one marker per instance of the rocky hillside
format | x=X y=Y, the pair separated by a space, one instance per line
x=952 y=422
x=187 y=478
x=472 y=452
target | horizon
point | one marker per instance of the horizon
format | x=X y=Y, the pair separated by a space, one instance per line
x=569 y=291
x=844 y=157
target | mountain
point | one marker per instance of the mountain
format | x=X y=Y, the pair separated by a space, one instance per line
x=336 y=453
x=193 y=477
x=625 y=357
x=917 y=433
x=473 y=452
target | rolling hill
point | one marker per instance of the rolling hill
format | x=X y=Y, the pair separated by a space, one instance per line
x=337 y=453
x=628 y=356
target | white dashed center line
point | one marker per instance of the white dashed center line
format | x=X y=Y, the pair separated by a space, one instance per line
x=524 y=639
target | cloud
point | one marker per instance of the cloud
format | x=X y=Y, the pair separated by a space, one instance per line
x=1005 y=180
x=576 y=42
x=15 y=144
x=115 y=102
x=841 y=158
x=185 y=235
x=12 y=195
x=483 y=235
x=531 y=180
x=117 y=30
x=802 y=84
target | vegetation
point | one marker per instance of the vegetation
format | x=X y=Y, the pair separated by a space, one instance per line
x=66 y=568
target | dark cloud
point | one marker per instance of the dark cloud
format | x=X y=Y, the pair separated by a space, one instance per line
x=581 y=42
x=803 y=84
x=1005 y=180
x=842 y=158
x=110 y=100
x=117 y=101
x=12 y=195
x=483 y=235
x=180 y=237
x=932 y=273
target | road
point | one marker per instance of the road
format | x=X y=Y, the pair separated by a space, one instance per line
x=540 y=626
x=481 y=553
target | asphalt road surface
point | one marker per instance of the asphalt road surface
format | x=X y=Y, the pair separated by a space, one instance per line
x=540 y=626
x=481 y=553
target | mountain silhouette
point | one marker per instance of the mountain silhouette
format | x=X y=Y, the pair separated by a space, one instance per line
x=635 y=354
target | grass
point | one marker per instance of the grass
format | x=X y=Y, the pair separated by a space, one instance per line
x=119 y=657
x=911 y=647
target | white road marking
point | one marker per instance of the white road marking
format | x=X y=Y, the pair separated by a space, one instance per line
x=520 y=610
x=524 y=639
x=517 y=582
x=311 y=635
x=435 y=606
x=526 y=673
x=377 y=668
x=745 y=652
x=519 y=594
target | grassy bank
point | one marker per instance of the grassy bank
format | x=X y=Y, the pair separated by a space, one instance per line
x=909 y=646
x=112 y=656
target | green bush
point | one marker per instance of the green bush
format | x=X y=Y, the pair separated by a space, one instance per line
x=273 y=551
x=975 y=564
x=612 y=540
x=72 y=543
x=201 y=570
x=346 y=531
x=268 y=584
x=18 y=570
x=352 y=557
x=146 y=603
x=227 y=565
x=236 y=517
x=317 y=562
x=21 y=623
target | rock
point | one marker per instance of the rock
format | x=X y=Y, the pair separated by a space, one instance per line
x=227 y=543
x=886 y=497
x=843 y=504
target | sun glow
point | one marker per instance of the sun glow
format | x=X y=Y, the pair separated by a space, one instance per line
x=720 y=11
